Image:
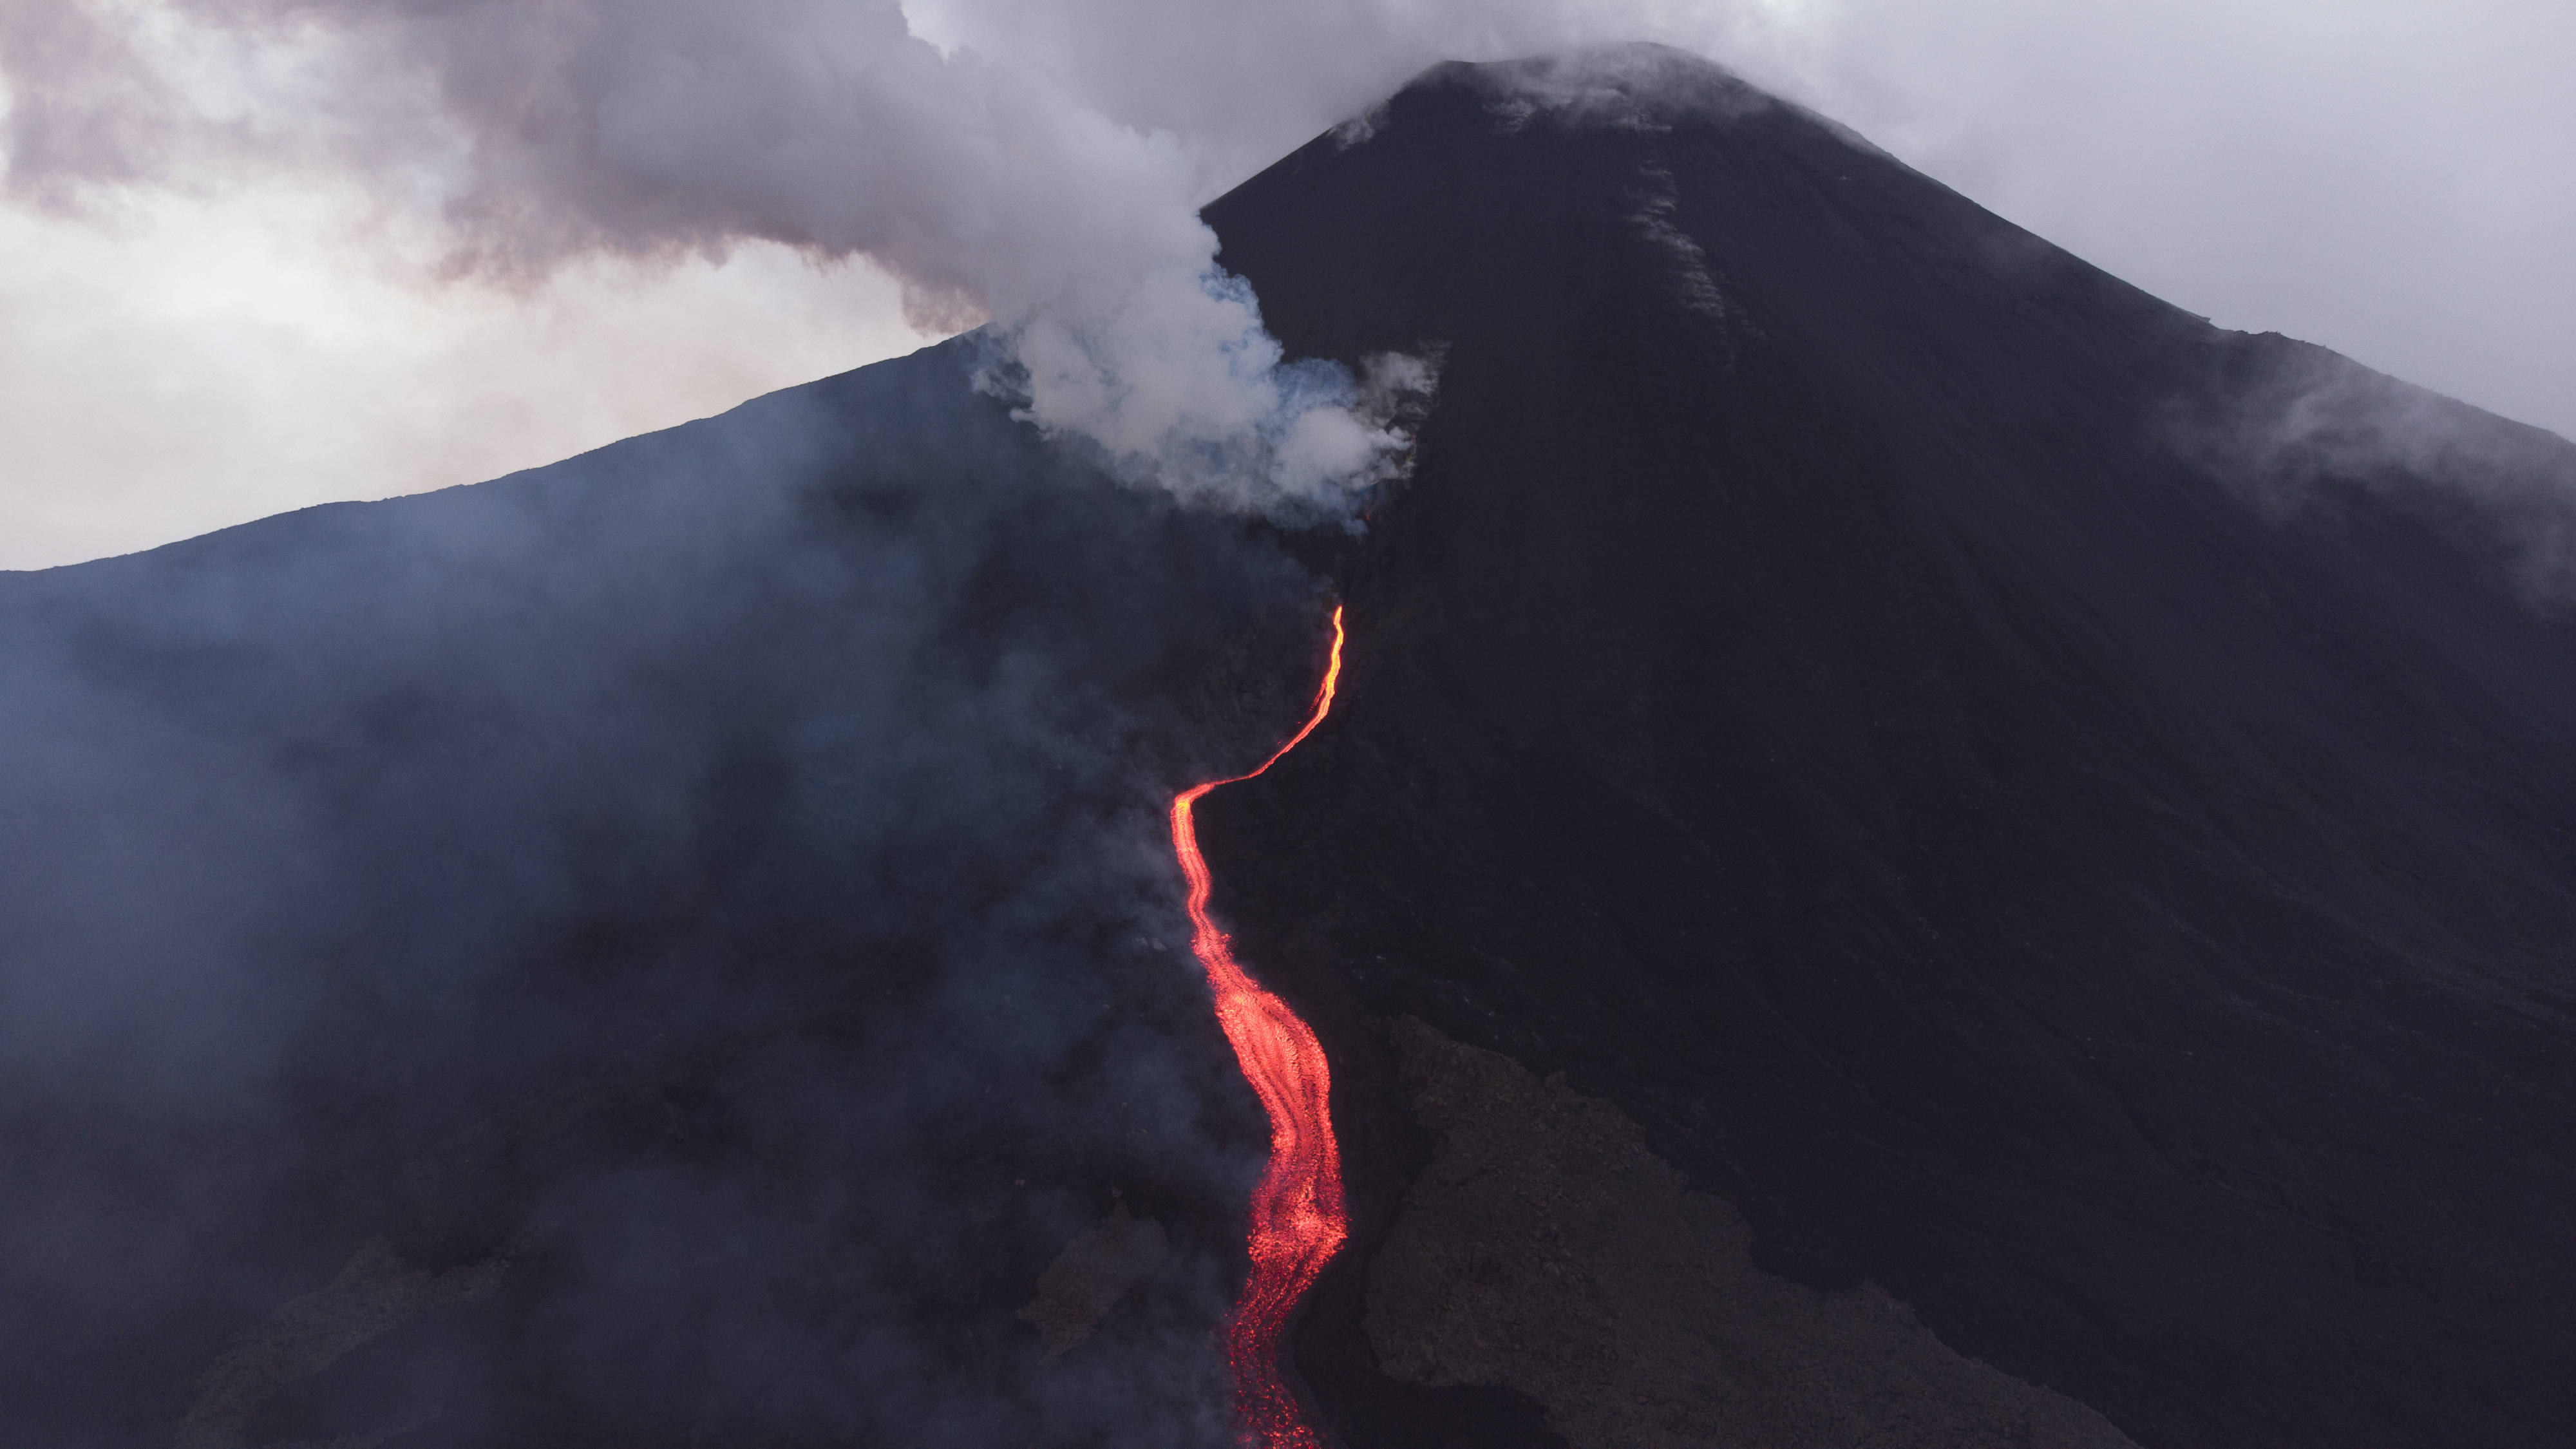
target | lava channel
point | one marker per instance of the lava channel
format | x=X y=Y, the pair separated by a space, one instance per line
x=1298 y=1219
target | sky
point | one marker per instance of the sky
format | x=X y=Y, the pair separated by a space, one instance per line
x=268 y=253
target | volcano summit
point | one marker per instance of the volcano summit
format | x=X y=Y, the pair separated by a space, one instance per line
x=1912 y=847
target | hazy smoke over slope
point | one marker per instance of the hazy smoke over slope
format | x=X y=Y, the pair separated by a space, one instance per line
x=2293 y=428
x=536 y=134
x=660 y=950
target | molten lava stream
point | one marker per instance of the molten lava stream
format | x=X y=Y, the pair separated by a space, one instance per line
x=1298 y=1221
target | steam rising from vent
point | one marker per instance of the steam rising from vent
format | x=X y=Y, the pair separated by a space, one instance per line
x=1181 y=385
x=530 y=135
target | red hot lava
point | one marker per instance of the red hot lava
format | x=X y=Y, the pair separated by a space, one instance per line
x=1298 y=1221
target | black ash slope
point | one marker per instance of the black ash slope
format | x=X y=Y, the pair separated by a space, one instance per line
x=657 y=950
x=2047 y=806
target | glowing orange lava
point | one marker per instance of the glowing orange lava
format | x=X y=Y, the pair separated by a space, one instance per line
x=1298 y=1221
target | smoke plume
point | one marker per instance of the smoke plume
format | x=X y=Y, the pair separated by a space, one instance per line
x=528 y=136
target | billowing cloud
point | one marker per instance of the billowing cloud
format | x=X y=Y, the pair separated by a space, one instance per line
x=531 y=136
x=2374 y=177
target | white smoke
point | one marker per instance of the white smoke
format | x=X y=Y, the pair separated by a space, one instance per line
x=2290 y=194
x=532 y=133
x=1175 y=380
x=2295 y=428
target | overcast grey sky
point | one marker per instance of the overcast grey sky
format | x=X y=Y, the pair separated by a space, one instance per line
x=187 y=343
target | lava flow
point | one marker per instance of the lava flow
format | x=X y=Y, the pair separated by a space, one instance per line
x=1298 y=1221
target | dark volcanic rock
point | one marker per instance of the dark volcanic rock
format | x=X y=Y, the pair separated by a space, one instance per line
x=2049 y=808
x=1087 y=1279
x=1544 y=1249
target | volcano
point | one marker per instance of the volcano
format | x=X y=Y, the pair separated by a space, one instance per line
x=1913 y=847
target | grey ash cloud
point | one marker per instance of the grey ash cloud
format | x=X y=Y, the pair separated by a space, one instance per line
x=2387 y=195
x=531 y=136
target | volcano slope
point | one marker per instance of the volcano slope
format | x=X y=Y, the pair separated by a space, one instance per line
x=1915 y=849
x=664 y=949
x=2056 y=814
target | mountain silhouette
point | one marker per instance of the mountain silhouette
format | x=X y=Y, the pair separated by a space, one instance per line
x=1916 y=847
x=2047 y=807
